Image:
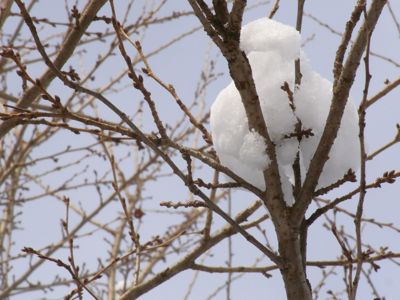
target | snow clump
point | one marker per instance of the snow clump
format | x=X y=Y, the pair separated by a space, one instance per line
x=272 y=48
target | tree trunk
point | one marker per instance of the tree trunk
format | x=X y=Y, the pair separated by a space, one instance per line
x=292 y=270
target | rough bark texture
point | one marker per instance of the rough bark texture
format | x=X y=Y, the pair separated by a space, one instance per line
x=292 y=270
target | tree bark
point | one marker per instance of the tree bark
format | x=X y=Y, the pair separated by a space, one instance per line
x=292 y=269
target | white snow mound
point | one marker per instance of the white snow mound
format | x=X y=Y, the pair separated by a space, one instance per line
x=271 y=48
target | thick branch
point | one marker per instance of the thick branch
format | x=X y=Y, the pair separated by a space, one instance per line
x=241 y=73
x=70 y=43
x=5 y=7
x=341 y=92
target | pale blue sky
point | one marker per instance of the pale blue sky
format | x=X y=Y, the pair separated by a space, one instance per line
x=180 y=65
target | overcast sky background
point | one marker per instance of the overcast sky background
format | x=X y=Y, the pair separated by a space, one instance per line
x=180 y=65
